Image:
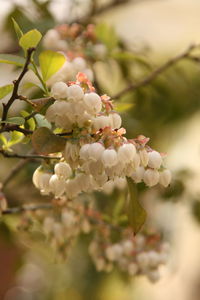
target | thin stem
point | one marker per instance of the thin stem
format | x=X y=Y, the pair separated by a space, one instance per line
x=16 y=83
x=23 y=208
x=154 y=74
x=26 y=156
x=39 y=77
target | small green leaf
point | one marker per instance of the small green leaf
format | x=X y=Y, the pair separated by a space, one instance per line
x=18 y=31
x=41 y=121
x=136 y=213
x=12 y=59
x=50 y=63
x=30 y=122
x=3 y=139
x=45 y=142
x=30 y=39
x=15 y=120
x=5 y=90
x=122 y=107
x=15 y=138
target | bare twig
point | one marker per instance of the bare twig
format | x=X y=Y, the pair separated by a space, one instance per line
x=26 y=156
x=8 y=128
x=16 y=83
x=23 y=208
x=154 y=74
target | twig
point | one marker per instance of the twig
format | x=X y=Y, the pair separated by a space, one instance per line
x=26 y=156
x=16 y=83
x=23 y=208
x=154 y=74
x=8 y=128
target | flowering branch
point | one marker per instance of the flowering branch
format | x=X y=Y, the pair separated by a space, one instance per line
x=186 y=54
x=16 y=83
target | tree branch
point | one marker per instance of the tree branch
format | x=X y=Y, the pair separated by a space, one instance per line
x=16 y=83
x=26 y=156
x=23 y=208
x=154 y=74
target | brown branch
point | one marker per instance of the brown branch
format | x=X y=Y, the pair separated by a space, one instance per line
x=26 y=156
x=23 y=208
x=16 y=83
x=154 y=74
x=8 y=128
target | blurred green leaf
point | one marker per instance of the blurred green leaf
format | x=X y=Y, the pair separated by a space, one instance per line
x=15 y=138
x=17 y=29
x=136 y=213
x=45 y=142
x=107 y=35
x=122 y=107
x=50 y=63
x=30 y=39
x=15 y=120
x=12 y=59
x=5 y=90
x=41 y=121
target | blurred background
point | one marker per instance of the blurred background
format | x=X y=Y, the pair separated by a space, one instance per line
x=167 y=110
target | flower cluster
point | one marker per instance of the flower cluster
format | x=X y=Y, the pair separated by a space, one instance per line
x=97 y=156
x=141 y=255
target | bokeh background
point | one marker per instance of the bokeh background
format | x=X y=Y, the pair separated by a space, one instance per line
x=167 y=111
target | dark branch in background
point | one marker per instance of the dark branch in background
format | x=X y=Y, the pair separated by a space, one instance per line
x=16 y=83
x=8 y=128
x=23 y=208
x=26 y=156
x=154 y=74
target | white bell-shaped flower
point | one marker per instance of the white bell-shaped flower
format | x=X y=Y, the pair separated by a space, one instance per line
x=151 y=177
x=93 y=103
x=165 y=178
x=59 y=90
x=109 y=158
x=57 y=185
x=155 y=160
x=63 y=170
x=126 y=153
x=79 y=64
x=144 y=157
x=138 y=174
x=95 y=151
x=84 y=152
x=101 y=122
x=115 y=120
x=75 y=93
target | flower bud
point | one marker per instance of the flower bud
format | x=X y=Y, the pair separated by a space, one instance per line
x=59 y=90
x=75 y=93
x=126 y=153
x=138 y=174
x=155 y=160
x=57 y=185
x=109 y=158
x=115 y=120
x=93 y=103
x=95 y=151
x=79 y=64
x=151 y=177
x=165 y=178
x=144 y=157
x=63 y=170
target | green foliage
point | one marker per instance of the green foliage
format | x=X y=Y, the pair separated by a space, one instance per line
x=41 y=121
x=12 y=59
x=5 y=90
x=18 y=31
x=30 y=39
x=50 y=63
x=107 y=36
x=45 y=142
x=14 y=120
x=136 y=213
x=30 y=122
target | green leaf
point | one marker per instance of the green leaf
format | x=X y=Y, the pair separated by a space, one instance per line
x=17 y=29
x=3 y=139
x=12 y=59
x=15 y=120
x=30 y=39
x=136 y=213
x=45 y=142
x=107 y=35
x=5 y=90
x=30 y=122
x=15 y=138
x=41 y=121
x=50 y=63
x=122 y=107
